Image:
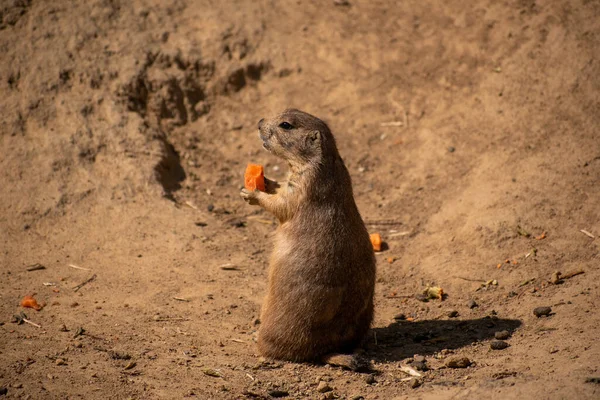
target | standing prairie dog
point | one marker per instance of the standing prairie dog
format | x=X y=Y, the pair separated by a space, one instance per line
x=322 y=270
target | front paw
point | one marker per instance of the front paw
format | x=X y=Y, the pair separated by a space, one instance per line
x=250 y=196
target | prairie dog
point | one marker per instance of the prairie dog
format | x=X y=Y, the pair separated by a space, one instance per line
x=322 y=269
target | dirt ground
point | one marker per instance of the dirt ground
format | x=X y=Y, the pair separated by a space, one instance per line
x=471 y=134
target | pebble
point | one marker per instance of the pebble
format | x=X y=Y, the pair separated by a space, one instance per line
x=323 y=387
x=414 y=383
x=419 y=358
x=3 y=391
x=458 y=362
x=278 y=393
x=498 y=345
x=453 y=314
x=420 y=365
x=502 y=335
x=422 y=297
x=60 y=361
x=370 y=379
x=542 y=311
x=472 y=304
x=400 y=317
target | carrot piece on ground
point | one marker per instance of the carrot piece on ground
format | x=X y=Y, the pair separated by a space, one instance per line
x=376 y=241
x=254 y=178
x=30 y=302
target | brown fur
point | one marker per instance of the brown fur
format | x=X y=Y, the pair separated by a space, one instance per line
x=322 y=270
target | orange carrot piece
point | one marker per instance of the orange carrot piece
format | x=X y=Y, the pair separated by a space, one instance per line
x=30 y=302
x=254 y=178
x=376 y=241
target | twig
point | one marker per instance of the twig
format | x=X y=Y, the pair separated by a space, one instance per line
x=250 y=376
x=470 y=280
x=191 y=205
x=393 y=123
x=409 y=371
x=76 y=267
x=31 y=323
x=237 y=340
x=572 y=274
x=82 y=284
x=404 y=233
x=181 y=299
x=375 y=337
x=586 y=233
x=35 y=267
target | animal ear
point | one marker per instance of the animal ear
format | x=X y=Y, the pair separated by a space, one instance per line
x=314 y=137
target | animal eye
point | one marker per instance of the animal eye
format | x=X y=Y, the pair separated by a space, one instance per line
x=285 y=125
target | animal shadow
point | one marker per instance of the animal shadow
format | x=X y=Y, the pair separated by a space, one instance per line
x=403 y=339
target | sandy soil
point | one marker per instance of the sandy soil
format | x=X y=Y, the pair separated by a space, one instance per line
x=471 y=134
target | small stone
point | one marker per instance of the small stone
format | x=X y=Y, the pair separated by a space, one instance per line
x=358 y=397
x=419 y=358
x=458 y=362
x=451 y=149
x=3 y=391
x=502 y=335
x=472 y=304
x=542 y=311
x=400 y=317
x=422 y=297
x=370 y=379
x=74 y=304
x=210 y=207
x=414 y=383
x=278 y=393
x=420 y=365
x=453 y=314
x=323 y=387
x=79 y=345
x=498 y=345
x=60 y=361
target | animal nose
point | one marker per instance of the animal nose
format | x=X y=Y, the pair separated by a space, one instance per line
x=260 y=123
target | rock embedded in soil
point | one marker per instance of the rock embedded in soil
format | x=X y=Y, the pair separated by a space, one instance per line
x=323 y=387
x=458 y=362
x=420 y=365
x=370 y=379
x=472 y=304
x=502 y=335
x=542 y=311
x=453 y=314
x=498 y=345
x=414 y=383
x=60 y=361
